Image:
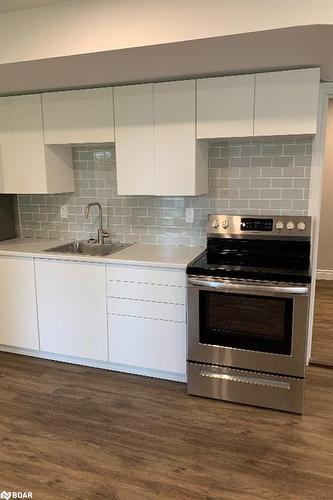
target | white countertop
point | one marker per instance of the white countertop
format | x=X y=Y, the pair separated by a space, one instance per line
x=137 y=254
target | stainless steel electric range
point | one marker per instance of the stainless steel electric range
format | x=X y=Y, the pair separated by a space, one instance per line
x=248 y=302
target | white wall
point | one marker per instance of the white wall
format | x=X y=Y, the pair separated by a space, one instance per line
x=83 y=26
x=325 y=250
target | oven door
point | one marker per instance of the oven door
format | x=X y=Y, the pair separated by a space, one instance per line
x=251 y=325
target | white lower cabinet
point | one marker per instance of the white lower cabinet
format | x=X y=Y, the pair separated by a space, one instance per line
x=148 y=343
x=147 y=309
x=18 y=311
x=127 y=318
x=147 y=320
x=72 y=308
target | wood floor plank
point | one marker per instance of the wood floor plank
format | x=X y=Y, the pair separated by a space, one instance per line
x=322 y=344
x=71 y=432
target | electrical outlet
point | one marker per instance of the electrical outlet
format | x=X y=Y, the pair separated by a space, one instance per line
x=189 y=215
x=64 y=212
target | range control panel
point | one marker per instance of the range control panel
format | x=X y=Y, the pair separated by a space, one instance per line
x=248 y=224
x=238 y=225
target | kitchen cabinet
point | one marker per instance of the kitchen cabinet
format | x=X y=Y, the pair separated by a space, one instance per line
x=286 y=102
x=134 y=139
x=180 y=160
x=26 y=164
x=147 y=320
x=148 y=344
x=156 y=147
x=275 y=103
x=225 y=106
x=72 y=308
x=18 y=309
x=78 y=116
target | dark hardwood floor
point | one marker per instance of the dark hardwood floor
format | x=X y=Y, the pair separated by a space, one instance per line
x=322 y=345
x=70 y=432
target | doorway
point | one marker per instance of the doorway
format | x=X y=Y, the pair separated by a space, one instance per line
x=322 y=343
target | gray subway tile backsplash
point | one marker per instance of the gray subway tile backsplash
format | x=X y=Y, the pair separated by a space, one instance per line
x=265 y=175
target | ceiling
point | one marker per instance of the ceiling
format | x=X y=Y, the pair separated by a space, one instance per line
x=14 y=5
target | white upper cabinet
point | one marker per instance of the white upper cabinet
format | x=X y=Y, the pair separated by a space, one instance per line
x=286 y=102
x=277 y=103
x=156 y=148
x=78 y=116
x=225 y=106
x=180 y=161
x=26 y=164
x=134 y=139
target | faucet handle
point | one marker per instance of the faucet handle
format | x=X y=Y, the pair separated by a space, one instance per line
x=104 y=233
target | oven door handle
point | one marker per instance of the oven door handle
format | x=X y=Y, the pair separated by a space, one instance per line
x=245 y=288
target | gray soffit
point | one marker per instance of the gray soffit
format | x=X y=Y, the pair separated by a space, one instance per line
x=15 y=5
x=296 y=47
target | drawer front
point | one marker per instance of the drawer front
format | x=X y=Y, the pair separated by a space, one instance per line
x=142 y=309
x=147 y=343
x=151 y=275
x=240 y=386
x=143 y=291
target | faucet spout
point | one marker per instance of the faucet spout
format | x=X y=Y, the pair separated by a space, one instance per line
x=102 y=233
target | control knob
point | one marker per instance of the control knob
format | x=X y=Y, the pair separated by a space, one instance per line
x=225 y=224
x=279 y=225
x=290 y=225
x=215 y=224
x=301 y=226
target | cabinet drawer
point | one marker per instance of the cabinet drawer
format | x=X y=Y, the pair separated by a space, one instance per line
x=241 y=386
x=144 y=291
x=151 y=275
x=148 y=343
x=142 y=309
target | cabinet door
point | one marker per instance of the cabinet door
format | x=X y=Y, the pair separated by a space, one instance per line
x=225 y=106
x=72 y=308
x=18 y=310
x=26 y=164
x=286 y=102
x=175 y=141
x=147 y=343
x=22 y=145
x=133 y=107
x=78 y=116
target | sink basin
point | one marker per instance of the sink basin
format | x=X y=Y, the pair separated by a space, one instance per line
x=85 y=248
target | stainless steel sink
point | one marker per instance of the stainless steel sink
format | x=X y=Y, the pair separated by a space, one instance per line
x=86 y=248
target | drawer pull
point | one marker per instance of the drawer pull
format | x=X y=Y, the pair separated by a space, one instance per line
x=247 y=380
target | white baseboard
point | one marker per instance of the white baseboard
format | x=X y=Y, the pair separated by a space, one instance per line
x=324 y=274
x=104 y=365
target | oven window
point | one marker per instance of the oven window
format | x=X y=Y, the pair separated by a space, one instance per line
x=246 y=322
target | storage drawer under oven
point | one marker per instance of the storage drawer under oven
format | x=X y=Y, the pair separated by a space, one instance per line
x=242 y=386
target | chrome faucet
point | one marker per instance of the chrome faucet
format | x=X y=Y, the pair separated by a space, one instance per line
x=101 y=233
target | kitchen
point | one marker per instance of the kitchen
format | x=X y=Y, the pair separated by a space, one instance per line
x=148 y=175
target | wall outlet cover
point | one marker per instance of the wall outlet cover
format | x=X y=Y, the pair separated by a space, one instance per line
x=64 y=212
x=189 y=215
